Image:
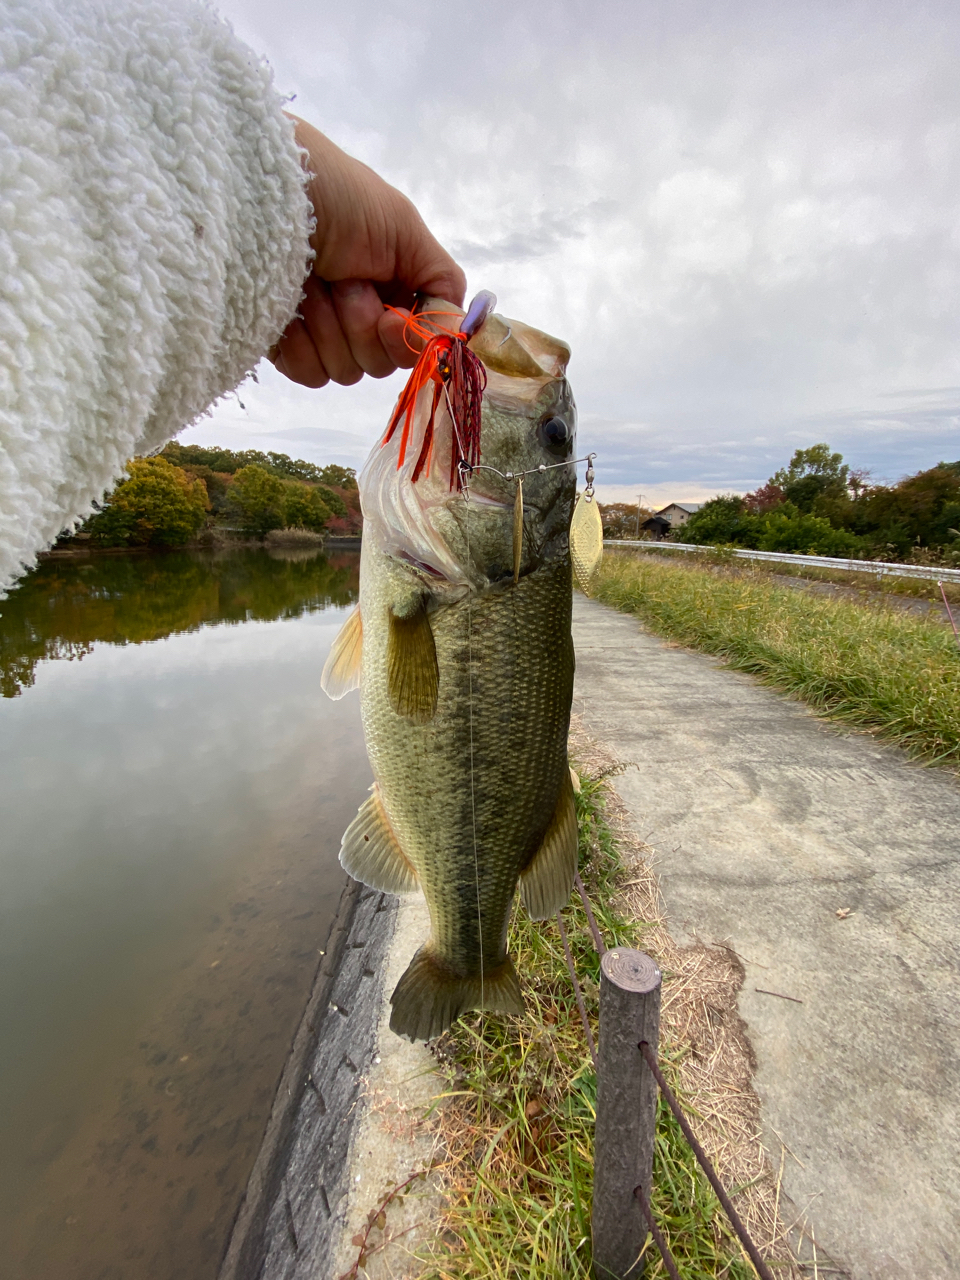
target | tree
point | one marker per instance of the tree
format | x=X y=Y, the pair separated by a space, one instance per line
x=303 y=507
x=257 y=500
x=158 y=506
x=765 y=498
x=723 y=520
x=919 y=511
x=811 y=473
x=339 y=477
x=788 y=529
x=279 y=464
x=620 y=519
x=332 y=500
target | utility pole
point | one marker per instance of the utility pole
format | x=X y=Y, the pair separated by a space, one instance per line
x=639 y=500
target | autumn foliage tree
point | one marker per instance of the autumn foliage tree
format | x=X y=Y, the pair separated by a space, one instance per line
x=159 y=505
x=620 y=519
x=261 y=501
x=816 y=504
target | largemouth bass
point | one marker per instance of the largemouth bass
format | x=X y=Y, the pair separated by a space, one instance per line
x=462 y=650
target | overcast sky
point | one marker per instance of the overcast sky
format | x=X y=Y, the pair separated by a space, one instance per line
x=743 y=217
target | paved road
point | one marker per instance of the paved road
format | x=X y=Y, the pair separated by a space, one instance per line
x=767 y=821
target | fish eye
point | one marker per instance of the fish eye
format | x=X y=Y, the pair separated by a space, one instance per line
x=556 y=435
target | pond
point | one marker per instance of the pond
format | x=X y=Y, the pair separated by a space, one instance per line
x=173 y=787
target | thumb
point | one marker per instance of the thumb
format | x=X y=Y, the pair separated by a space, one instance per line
x=424 y=266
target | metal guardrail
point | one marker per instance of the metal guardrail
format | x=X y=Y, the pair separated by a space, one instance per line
x=881 y=568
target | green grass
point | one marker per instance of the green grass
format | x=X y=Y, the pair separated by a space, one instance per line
x=895 y=674
x=518 y=1123
x=870 y=585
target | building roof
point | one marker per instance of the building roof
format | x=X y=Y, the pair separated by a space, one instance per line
x=689 y=507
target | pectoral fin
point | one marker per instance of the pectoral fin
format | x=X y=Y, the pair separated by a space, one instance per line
x=370 y=853
x=546 y=883
x=413 y=676
x=341 y=671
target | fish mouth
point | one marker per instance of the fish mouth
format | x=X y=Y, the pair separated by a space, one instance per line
x=483 y=500
x=430 y=570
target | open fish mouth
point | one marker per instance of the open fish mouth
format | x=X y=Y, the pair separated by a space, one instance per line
x=430 y=570
x=482 y=500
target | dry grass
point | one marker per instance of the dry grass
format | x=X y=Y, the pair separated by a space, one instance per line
x=516 y=1124
x=293 y=537
x=702 y=1034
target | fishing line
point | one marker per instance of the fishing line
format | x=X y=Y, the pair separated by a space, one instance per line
x=473 y=794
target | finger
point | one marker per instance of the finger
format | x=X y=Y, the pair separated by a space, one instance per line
x=359 y=309
x=443 y=279
x=425 y=267
x=395 y=338
x=322 y=323
x=298 y=358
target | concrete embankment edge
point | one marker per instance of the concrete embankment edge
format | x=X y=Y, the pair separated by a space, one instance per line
x=289 y=1223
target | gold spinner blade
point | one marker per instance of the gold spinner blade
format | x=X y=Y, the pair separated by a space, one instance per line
x=586 y=540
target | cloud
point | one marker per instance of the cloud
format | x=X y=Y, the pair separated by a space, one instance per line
x=742 y=217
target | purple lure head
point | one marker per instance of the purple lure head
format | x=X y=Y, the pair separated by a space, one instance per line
x=478 y=311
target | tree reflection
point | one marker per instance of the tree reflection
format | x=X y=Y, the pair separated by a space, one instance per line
x=64 y=607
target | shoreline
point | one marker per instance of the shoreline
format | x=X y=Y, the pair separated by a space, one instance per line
x=290 y=1209
x=333 y=543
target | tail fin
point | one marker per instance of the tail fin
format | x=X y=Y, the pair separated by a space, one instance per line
x=428 y=998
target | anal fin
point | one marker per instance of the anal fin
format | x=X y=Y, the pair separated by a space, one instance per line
x=370 y=853
x=429 y=996
x=413 y=675
x=341 y=671
x=546 y=881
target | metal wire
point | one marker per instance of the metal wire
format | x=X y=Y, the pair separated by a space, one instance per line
x=597 y=939
x=704 y=1161
x=576 y=987
x=658 y=1237
x=946 y=605
x=639 y=1192
x=702 y=1158
x=465 y=468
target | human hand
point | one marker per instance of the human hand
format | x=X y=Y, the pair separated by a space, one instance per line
x=371 y=247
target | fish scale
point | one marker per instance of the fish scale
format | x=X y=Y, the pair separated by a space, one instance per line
x=522 y=679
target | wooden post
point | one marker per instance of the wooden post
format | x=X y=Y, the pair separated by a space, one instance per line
x=626 y=1110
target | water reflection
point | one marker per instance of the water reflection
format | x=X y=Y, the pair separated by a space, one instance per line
x=68 y=605
x=171 y=817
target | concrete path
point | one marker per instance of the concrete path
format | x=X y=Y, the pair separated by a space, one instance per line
x=767 y=822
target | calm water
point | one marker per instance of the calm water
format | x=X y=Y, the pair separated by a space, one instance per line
x=173 y=786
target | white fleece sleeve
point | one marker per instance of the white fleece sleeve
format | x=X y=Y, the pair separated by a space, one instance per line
x=153 y=242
